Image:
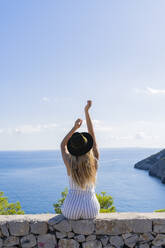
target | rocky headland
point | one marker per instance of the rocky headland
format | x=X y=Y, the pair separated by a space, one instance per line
x=155 y=164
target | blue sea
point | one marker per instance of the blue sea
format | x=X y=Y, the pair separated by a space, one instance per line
x=37 y=178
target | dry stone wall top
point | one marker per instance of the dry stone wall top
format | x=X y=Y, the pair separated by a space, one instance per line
x=113 y=230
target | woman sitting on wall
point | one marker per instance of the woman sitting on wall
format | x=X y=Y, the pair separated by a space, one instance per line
x=80 y=155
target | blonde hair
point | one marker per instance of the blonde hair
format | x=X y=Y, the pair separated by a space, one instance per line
x=83 y=169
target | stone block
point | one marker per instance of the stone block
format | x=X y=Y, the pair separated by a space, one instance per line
x=61 y=235
x=10 y=241
x=91 y=237
x=18 y=228
x=39 y=227
x=131 y=241
x=28 y=241
x=4 y=230
x=68 y=243
x=47 y=241
x=141 y=225
x=85 y=227
x=159 y=226
x=146 y=237
x=1 y=243
x=63 y=226
x=109 y=246
x=116 y=227
x=79 y=238
x=116 y=241
x=104 y=240
x=92 y=244
x=159 y=240
x=55 y=220
x=112 y=227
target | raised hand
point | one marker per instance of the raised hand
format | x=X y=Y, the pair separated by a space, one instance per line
x=89 y=104
x=78 y=123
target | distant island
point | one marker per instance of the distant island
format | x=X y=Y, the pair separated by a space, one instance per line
x=155 y=164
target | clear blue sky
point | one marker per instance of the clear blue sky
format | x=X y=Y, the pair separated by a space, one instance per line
x=55 y=55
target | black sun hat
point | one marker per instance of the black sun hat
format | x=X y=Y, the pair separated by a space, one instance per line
x=80 y=143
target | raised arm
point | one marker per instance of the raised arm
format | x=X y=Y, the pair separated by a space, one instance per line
x=91 y=129
x=65 y=154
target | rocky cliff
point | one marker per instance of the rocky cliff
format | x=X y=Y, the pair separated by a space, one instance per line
x=155 y=164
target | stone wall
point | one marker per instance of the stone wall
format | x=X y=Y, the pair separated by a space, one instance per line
x=107 y=230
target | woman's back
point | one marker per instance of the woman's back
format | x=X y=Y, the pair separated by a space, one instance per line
x=74 y=186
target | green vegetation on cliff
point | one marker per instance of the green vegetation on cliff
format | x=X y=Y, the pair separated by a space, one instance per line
x=160 y=210
x=106 y=202
x=7 y=208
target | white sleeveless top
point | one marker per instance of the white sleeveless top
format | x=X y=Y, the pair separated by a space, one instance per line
x=74 y=186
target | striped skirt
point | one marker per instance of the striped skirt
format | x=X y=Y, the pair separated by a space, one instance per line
x=80 y=204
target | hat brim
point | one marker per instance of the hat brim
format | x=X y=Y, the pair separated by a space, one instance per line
x=82 y=150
